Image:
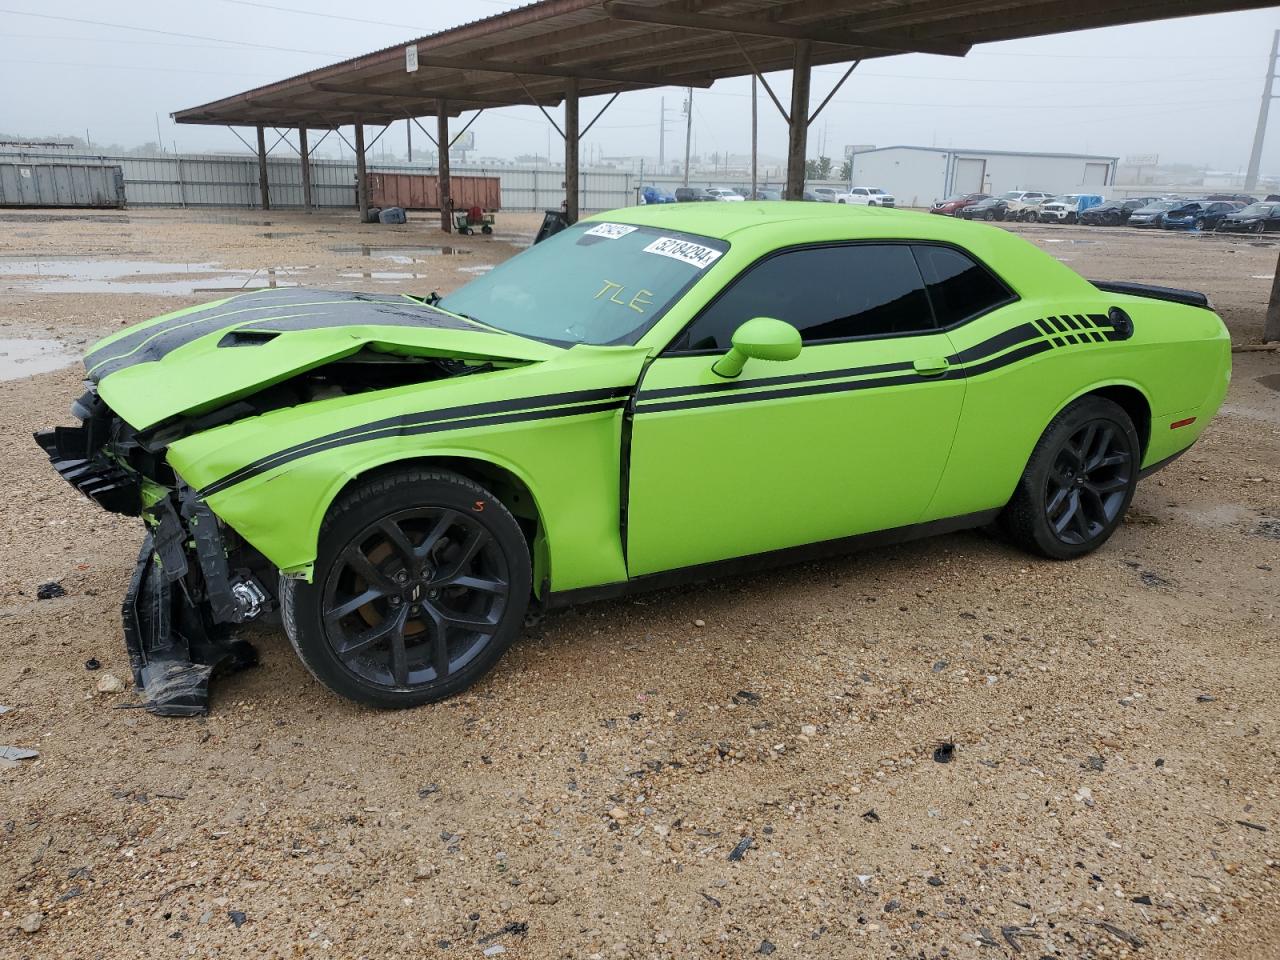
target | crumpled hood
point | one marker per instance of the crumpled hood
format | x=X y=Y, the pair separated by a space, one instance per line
x=201 y=357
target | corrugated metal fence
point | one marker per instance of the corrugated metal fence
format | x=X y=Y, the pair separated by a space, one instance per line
x=209 y=180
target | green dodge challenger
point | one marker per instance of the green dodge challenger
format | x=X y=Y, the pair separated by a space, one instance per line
x=651 y=396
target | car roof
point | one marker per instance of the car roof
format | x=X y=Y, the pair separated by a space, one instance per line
x=723 y=220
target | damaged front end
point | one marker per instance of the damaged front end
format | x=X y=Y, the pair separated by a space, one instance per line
x=195 y=578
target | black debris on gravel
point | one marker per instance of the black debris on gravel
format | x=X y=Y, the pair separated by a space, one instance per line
x=47 y=591
x=871 y=816
x=740 y=851
x=945 y=752
x=237 y=917
x=92 y=664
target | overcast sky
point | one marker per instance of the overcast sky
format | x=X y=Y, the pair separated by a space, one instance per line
x=1186 y=89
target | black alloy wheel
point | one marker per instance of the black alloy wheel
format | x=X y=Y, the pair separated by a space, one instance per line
x=421 y=582
x=1088 y=485
x=1078 y=481
x=1200 y=223
x=415 y=597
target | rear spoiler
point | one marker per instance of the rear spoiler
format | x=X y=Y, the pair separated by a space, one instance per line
x=1172 y=294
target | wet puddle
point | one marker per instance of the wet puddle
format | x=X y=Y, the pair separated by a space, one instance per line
x=385 y=275
x=477 y=269
x=135 y=276
x=1271 y=380
x=402 y=255
x=25 y=358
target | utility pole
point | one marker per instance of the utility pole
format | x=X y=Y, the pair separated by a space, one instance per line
x=1255 y=158
x=408 y=137
x=754 y=135
x=662 y=135
x=688 y=132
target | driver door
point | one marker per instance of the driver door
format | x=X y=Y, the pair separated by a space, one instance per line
x=851 y=436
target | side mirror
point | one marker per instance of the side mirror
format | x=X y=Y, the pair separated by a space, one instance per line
x=763 y=338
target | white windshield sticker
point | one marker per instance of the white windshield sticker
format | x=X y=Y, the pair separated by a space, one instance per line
x=611 y=230
x=692 y=253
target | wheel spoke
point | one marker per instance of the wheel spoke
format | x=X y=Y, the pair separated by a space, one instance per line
x=399 y=542
x=464 y=621
x=399 y=657
x=354 y=558
x=1090 y=498
x=1115 y=484
x=389 y=627
x=1057 y=500
x=1098 y=451
x=476 y=539
x=354 y=604
x=1069 y=514
x=483 y=584
x=446 y=520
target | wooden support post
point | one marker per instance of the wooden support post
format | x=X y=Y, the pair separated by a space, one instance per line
x=446 y=187
x=1271 y=326
x=304 y=157
x=362 y=178
x=755 y=139
x=571 y=151
x=264 y=192
x=799 y=124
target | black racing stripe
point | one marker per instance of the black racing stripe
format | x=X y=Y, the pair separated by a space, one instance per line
x=1070 y=321
x=1071 y=338
x=409 y=420
x=1001 y=341
x=1097 y=337
x=995 y=363
x=414 y=430
x=1085 y=323
x=296 y=310
x=1006 y=359
x=775 y=381
x=1045 y=326
x=1058 y=342
x=1057 y=322
x=815 y=389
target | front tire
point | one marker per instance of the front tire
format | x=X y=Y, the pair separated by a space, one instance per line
x=422 y=580
x=1078 y=483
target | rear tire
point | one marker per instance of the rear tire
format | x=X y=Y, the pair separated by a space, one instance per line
x=443 y=569
x=1078 y=482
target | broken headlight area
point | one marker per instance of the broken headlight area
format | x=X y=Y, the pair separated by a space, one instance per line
x=195 y=579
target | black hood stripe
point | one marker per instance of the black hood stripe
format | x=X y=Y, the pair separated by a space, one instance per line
x=299 y=310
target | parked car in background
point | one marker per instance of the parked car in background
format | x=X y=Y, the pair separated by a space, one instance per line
x=1113 y=213
x=1152 y=215
x=768 y=193
x=724 y=193
x=1200 y=214
x=992 y=208
x=824 y=194
x=951 y=206
x=867 y=196
x=1067 y=207
x=1028 y=209
x=811 y=196
x=1017 y=202
x=1243 y=198
x=1255 y=218
x=693 y=194
x=655 y=195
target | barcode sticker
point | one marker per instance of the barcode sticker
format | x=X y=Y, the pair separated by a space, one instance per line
x=612 y=231
x=685 y=251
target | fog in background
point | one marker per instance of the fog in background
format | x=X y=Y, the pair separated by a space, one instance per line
x=1186 y=89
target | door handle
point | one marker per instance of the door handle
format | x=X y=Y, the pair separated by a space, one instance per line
x=932 y=366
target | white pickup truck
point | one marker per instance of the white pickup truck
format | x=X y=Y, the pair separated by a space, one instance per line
x=867 y=196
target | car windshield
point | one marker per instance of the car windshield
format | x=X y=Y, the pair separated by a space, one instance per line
x=1157 y=207
x=875 y=190
x=1255 y=210
x=1011 y=195
x=596 y=282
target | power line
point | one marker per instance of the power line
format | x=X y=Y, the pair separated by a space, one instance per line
x=169 y=33
x=146 y=69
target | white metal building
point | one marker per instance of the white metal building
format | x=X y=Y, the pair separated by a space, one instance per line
x=917 y=176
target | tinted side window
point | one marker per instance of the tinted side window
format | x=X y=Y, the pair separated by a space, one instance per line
x=958 y=286
x=827 y=293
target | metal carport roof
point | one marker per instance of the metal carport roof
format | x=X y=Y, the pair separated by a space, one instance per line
x=525 y=55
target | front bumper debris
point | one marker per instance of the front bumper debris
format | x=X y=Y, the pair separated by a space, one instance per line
x=174 y=647
x=192 y=582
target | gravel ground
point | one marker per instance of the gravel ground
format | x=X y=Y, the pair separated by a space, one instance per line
x=748 y=767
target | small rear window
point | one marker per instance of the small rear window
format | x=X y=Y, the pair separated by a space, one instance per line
x=959 y=287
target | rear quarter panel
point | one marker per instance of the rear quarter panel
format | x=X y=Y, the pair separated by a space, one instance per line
x=1178 y=359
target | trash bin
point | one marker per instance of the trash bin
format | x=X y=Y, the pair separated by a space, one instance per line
x=553 y=221
x=392 y=215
